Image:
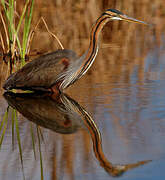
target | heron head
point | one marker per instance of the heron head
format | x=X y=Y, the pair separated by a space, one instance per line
x=117 y=15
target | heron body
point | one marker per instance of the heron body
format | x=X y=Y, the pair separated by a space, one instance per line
x=42 y=73
x=58 y=70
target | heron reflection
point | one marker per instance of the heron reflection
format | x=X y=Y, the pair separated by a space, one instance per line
x=64 y=115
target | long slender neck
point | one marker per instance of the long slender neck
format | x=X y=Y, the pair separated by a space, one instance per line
x=90 y=55
x=81 y=65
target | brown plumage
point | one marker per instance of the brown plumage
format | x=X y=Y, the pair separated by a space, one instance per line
x=32 y=76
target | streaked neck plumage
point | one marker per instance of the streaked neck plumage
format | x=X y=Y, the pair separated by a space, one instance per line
x=81 y=65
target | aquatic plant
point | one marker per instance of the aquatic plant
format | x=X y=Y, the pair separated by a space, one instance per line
x=15 y=46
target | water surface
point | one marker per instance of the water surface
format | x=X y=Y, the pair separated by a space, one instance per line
x=120 y=100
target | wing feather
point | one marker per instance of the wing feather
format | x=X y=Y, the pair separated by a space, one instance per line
x=41 y=72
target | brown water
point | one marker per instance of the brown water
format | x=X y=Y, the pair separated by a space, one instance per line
x=120 y=100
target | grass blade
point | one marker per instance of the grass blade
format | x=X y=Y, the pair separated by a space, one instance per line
x=11 y=11
x=13 y=32
x=3 y=120
x=41 y=134
x=39 y=143
x=3 y=22
x=10 y=20
x=18 y=139
x=18 y=135
x=22 y=15
x=12 y=118
x=2 y=43
x=28 y=18
x=18 y=27
x=4 y=6
x=3 y=132
x=4 y=125
x=33 y=140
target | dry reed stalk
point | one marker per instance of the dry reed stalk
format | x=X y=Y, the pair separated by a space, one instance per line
x=5 y=28
x=2 y=42
x=33 y=31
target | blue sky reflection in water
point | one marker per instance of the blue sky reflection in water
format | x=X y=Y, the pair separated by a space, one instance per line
x=133 y=123
x=129 y=112
x=130 y=117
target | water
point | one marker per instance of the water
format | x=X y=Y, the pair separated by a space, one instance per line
x=110 y=123
x=129 y=115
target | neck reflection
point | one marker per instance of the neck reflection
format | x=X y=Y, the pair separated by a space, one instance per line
x=64 y=115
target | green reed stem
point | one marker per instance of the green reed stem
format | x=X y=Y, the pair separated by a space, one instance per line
x=18 y=135
x=33 y=140
x=28 y=18
x=4 y=126
x=39 y=143
x=14 y=44
x=41 y=134
x=12 y=118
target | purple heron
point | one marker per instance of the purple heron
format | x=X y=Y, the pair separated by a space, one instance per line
x=58 y=70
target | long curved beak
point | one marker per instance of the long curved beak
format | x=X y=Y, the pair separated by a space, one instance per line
x=130 y=19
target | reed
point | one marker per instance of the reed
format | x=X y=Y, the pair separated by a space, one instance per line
x=33 y=139
x=40 y=153
x=3 y=127
x=35 y=132
x=16 y=45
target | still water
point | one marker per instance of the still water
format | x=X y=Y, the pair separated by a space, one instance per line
x=63 y=134
x=109 y=124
